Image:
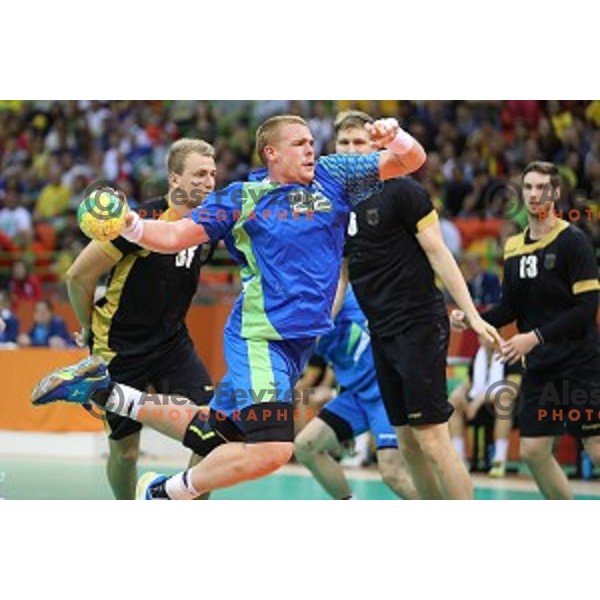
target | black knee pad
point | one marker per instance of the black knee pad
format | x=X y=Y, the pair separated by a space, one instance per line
x=340 y=426
x=268 y=422
x=200 y=437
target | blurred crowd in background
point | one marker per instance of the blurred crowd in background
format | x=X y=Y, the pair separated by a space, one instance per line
x=51 y=151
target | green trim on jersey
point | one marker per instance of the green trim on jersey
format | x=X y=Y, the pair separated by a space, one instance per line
x=262 y=376
x=354 y=337
x=255 y=321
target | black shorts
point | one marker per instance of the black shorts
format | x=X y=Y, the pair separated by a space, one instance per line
x=552 y=404
x=175 y=370
x=411 y=371
x=262 y=422
x=516 y=369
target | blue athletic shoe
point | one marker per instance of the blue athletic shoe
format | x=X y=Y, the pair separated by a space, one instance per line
x=145 y=482
x=73 y=384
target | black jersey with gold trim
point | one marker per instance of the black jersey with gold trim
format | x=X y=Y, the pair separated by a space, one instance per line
x=147 y=295
x=542 y=279
x=390 y=273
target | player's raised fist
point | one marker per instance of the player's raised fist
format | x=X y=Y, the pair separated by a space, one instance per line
x=382 y=131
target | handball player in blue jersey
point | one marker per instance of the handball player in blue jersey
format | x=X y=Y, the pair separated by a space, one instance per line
x=356 y=408
x=287 y=231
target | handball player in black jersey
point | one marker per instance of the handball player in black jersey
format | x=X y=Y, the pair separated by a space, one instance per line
x=138 y=326
x=550 y=288
x=394 y=249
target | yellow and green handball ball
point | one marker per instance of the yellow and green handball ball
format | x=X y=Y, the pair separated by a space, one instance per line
x=101 y=216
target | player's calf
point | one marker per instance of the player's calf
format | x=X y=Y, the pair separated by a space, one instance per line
x=121 y=467
x=395 y=474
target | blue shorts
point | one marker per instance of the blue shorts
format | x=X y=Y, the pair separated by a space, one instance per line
x=258 y=372
x=351 y=414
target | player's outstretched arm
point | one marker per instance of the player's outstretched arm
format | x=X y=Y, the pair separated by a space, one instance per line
x=82 y=278
x=402 y=155
x=443 y=263
x=164 y=236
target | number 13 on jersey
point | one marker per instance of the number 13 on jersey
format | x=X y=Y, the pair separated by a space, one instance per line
x=528 y=267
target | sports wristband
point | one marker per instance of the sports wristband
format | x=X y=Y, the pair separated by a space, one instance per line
x=402 y=143
x=134 y=232
x=538 y=335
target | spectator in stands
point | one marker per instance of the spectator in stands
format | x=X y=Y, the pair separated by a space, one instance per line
x=484 y=286
x=471 y=145
x=47 y=330
x=77 y=190
x=485 y=289
x=15 y=220
x=592 y=164
x=592 y=229
x=9 y=328
x=40 y=157
x=24 y=286
x=321 y=125
x=450 y=232
x=457 y=189
x=54 y=198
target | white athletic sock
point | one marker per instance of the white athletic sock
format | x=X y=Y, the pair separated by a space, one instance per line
x=361 y=445
x=125 y=401
x=501 y=450
x=179 y=487
x=459 y=443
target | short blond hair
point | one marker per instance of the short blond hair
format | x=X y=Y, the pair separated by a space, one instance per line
x=267 y=132
x=182 y=148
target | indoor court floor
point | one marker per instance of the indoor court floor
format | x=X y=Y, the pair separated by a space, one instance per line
x=30 y=478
